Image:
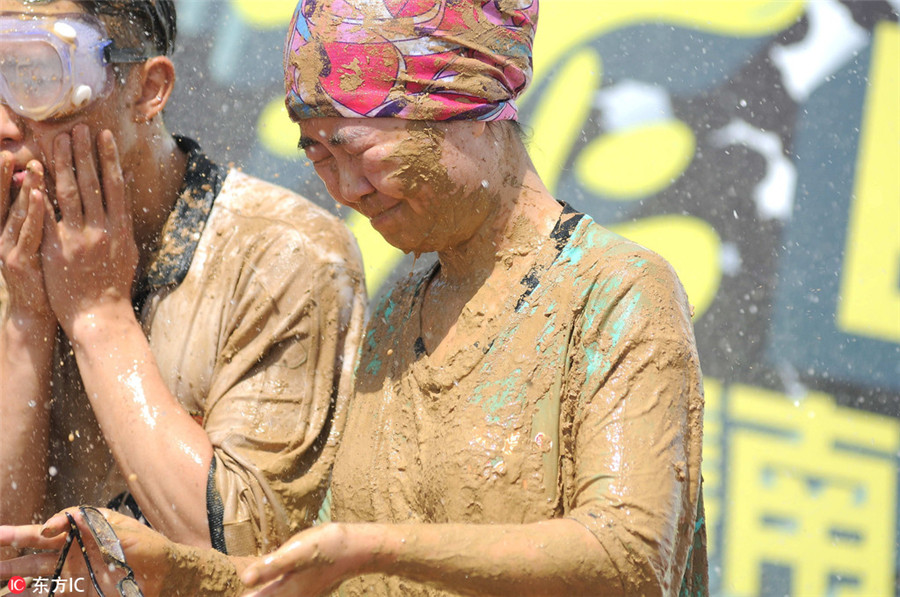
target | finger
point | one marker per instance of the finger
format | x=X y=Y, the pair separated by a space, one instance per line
x=30 y=537
x=48 y=207
x=6 y=172
x=39 y=564
x=51 y=237
x=292 y=556
x=30 y=201
x=280 y=586
x=31 y=233
x=67 y=195
x=118 y=204
x=13 y=225
x=86 y=174
x=262 y=572
x=57 y=524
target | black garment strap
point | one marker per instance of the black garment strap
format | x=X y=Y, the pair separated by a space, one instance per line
x=419 y=347
x=181 y=233
x=215 y=511
x=565 y=225
x=561 y=233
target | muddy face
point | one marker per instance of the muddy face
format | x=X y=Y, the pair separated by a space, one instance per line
x=417 y=182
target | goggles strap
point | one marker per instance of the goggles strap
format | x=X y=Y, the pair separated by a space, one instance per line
x=114 y=55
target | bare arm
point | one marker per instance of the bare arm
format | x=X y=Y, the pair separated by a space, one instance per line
x=27 y=338
x=90 y=258
x=554 y=557
x=546 y=558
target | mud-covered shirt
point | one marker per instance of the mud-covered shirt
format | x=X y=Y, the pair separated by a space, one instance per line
x=253 y=305
x=580 y=397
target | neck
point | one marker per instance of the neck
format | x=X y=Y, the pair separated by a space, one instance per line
x=157 y=175
x=521 y=221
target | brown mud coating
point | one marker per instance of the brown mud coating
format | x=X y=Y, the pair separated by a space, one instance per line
x=199 y=572
x=584 y=403
x=352 y=80
x=480 y=35
x=419 y=156
x=423 y=174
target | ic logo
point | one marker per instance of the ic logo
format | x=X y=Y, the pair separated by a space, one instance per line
x=16 y=585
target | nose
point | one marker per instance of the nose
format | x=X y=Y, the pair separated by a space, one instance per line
x=354 y=185
x=12 y=131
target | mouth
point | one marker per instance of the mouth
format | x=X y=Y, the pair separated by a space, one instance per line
x=19 y=168
x=18 y=177
x=381 y=215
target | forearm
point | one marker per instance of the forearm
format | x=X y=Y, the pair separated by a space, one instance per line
x=26 y=353
x=162 y=452
x=202 y=572
x=554 y=557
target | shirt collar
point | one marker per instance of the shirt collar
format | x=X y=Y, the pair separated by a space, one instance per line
x=181 y=233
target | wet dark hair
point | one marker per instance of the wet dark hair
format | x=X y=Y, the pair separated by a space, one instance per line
x=144 y=27
x=147 y=26
x=512 y=127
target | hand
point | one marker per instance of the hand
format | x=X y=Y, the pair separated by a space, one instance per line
x=90 y=255
x=17 y=538
x=311 y=563
x=146 y=551
x=21 y=218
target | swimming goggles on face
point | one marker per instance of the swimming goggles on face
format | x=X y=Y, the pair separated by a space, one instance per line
x=52 y=67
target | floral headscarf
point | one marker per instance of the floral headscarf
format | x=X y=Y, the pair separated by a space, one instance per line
x=412 y=59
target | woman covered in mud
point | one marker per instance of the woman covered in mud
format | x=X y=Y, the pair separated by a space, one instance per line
x=528 y=411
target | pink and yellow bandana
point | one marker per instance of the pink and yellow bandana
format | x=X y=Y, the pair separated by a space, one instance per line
x=413 y=59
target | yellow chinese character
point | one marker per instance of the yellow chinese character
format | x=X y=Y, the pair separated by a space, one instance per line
x=811 y=497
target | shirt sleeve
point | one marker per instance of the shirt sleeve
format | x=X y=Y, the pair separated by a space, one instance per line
x=278 y=395
x=632 y=425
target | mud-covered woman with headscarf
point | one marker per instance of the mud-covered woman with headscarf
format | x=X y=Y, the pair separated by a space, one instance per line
x=528 y=412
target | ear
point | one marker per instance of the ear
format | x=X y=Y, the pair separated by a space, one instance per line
x=157 y=82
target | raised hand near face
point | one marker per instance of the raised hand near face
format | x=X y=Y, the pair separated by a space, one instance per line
x=89 y=256
x=23 y=203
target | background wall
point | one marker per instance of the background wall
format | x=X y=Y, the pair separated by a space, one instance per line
x=756 y=145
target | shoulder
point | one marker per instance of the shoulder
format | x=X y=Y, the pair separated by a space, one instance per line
x=612 y=281
x=308 y=232
x=606 y=260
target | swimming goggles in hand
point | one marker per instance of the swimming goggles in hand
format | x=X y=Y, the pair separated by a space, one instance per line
x=110 y=549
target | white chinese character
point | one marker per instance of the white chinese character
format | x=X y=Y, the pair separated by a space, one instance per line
x=41 y=585
x=60 y=584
